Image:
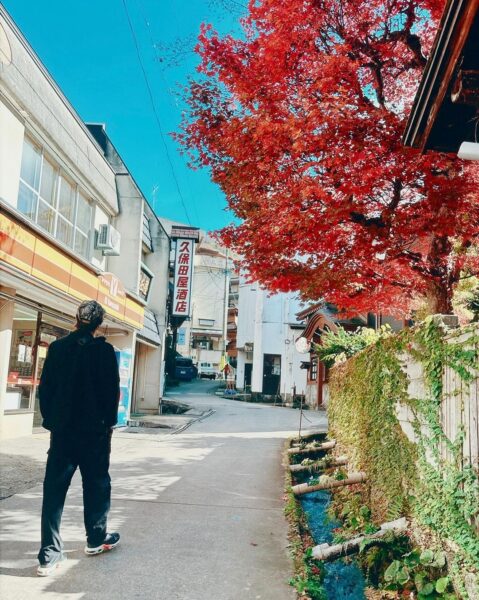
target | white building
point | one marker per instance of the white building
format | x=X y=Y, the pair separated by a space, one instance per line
x=268 y=362
x=143 y=266
x=60 y=204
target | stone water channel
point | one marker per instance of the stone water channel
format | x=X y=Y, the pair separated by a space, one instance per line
x=344 y=579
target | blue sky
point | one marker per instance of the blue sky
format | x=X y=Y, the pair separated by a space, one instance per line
x=89 y=49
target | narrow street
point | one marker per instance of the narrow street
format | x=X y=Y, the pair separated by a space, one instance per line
x=200 y=512
x=283 y=194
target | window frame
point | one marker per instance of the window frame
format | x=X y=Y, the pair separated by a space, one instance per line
x=150 y=276
x=313 y=369
x=56 y=185
x=60 y=175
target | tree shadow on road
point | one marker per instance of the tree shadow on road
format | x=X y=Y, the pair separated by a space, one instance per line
x=167 y=498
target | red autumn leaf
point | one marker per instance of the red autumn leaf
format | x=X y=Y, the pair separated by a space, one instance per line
x=300 y=122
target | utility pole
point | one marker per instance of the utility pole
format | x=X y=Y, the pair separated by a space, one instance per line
x=225 y=310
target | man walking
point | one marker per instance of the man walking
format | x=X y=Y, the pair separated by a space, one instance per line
x=79 y=393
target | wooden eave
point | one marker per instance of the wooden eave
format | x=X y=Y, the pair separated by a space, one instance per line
x=309 y=310
x=436 y=122
x=318 y=321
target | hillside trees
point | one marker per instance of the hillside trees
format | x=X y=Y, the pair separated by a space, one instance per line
x=300 y=121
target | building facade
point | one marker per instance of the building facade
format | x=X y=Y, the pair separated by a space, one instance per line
x=232 y=322
x=203 y=338
x=73 y=226
x=267 y=360
x=319 y=319
x=446 y=107
x=143 y=266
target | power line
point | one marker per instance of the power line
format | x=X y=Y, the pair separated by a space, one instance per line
x=169 y=93
x=155 y=112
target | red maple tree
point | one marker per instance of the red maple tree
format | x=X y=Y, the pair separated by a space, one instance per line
x=300 y=121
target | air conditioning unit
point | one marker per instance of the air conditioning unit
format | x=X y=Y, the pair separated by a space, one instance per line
x=108 y=240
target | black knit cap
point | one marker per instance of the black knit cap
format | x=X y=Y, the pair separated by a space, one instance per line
x=90 y=314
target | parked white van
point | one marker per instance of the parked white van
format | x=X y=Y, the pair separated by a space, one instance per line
x=207 y=370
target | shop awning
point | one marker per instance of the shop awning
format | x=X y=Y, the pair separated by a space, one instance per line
x=26 y=251
x=206 y=333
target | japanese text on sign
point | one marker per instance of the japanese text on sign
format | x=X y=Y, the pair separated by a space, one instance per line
x=183 y=277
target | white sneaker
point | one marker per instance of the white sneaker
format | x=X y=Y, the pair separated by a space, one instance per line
x=46 y=569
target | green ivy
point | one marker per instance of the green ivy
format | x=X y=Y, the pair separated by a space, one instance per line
x=449 y=494
x=405 y=478
x=337 y=346
x=364 y=392
x=309 y=573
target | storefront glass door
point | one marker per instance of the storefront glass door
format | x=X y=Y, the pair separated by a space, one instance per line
x=21 y=368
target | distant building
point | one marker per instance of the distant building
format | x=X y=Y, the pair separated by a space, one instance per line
x=267 y=360
x=203 y=337
x=232 y=323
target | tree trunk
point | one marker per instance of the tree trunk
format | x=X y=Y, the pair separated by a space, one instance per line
x=327 y=552
x=440 y=299
x=313 y=449
x=304 y=488
x=315 y=468
x=442 y=285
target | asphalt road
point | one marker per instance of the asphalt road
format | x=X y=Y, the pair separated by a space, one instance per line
x=200 y=512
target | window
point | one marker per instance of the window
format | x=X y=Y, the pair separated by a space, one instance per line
x=147 y=233
x=66 y=210
x=82 y=225
x=48 y=198
x=31 y=160
x=29 y=180
x=202 y=343
x=313 y=369
x=145 y=282
x=21 y=367
x=54 y=202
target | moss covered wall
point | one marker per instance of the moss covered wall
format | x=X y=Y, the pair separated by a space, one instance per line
x=400 y=410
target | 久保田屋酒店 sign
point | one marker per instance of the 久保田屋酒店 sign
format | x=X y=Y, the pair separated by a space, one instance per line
x=185 y=250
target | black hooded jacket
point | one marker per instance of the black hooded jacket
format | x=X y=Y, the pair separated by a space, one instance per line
x=79 y=387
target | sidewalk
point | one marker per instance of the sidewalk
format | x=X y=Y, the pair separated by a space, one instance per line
x=200 y=514
x=22 y=460
x=22 y=463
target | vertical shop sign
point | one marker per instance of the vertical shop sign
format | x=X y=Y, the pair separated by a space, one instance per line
x=183 y=277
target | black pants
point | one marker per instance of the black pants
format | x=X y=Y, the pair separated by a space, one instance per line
x=69 y=450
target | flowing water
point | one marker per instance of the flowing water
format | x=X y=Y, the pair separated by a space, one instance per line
x=344 y=580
